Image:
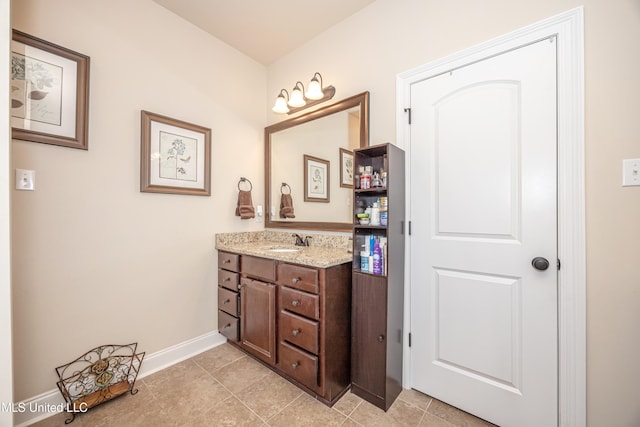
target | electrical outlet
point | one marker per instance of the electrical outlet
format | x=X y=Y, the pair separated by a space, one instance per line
x=630 y=172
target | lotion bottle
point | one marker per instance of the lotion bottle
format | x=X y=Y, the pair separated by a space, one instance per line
x=377 y=258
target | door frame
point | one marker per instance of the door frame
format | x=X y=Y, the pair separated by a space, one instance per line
x=6 y=349
x=569 y=29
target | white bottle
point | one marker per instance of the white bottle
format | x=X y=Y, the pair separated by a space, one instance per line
x=375 y=213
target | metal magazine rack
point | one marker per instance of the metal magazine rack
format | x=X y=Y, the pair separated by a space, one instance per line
x=98 y=376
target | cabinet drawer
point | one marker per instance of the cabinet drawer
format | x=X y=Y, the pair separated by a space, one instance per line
x=296 y=276
x=228 y=279
x=300 y=302
x=228 y=326
x=259 y=267
x=228 y=301
x=229 y=261
x=299 y=331
x=299 y=365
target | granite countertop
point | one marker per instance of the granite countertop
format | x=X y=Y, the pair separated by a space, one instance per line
x=261 y=244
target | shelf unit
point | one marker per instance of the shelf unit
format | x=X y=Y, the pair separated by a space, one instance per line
x=377 y=299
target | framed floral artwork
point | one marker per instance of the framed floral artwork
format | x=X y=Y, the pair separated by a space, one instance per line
x=316 y=179
x=175 y=156
x=49 y=92
x=346 y=168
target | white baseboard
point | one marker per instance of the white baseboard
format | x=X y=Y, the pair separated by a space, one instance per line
x=50 y=403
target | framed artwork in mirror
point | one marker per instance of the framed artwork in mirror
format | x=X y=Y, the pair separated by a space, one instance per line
x=316 y=179
x=346 y=168
x=49 y=92
x=175 y=156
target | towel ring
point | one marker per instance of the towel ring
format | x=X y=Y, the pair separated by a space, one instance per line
x=243 y=179
x=284 y=184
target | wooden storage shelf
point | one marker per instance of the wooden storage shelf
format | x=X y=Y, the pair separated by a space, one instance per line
x=377 y=312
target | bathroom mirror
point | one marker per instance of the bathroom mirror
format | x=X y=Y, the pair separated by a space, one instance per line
x=310 y=158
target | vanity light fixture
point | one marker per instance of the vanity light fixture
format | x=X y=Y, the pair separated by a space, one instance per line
x=297 y=98
x=314 y=91
x=281 y=102
x=300 y=99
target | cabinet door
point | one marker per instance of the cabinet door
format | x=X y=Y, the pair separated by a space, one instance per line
x=369 y=333
x=258 y=319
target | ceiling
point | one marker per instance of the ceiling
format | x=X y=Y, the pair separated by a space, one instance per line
x=264 y=30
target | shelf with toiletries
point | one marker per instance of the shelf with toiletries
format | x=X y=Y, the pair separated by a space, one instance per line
x=378 y=274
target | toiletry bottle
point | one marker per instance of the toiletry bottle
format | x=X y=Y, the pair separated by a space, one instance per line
x=383 y=255
x=365 y=183
x=359 y=176
x=364 y=261
x=371 y=249
x=377 y=258
x=384 y=214
x=375 y=213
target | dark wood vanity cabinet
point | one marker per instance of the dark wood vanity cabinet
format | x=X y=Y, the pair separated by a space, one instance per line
x=314 y=334
x=377 y=335
x=257 y=328
x=258 y=307
x=228 y=295
x=295 y=318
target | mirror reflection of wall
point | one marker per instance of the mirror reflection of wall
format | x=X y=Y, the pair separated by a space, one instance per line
x=321 y=138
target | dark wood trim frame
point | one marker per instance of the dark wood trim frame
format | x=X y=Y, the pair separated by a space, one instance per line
x=361 y=100
x=146 y=118
x=81 y=138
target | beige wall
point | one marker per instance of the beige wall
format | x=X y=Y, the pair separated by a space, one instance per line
x=95 y=261
x=368 y=50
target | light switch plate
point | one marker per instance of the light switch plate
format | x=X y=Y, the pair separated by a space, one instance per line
x=630 y=172
x=25 y=179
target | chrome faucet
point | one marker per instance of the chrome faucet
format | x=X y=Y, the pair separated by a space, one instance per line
x=306 y=240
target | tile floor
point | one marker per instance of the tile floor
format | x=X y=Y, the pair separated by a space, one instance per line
x=225 y=387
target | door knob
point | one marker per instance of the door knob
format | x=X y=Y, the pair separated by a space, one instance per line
x=540 y=263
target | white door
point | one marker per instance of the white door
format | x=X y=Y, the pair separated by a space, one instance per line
x=483 y=206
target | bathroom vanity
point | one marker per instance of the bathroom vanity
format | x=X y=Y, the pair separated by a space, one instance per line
x=290 y=308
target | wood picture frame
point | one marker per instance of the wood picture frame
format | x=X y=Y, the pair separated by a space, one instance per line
x=49 y=93
x=346 y=168
x=175 y=156
x=316 y=179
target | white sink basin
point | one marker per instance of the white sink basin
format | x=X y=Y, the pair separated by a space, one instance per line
x=284 y=249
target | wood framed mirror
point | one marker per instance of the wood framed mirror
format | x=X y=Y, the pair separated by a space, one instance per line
x=327 y=135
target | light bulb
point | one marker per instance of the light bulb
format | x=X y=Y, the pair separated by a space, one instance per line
x=314 y=91
x=297 y=99
x=281 y=105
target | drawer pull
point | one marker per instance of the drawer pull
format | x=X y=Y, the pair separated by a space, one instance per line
x=227 y=301
x=226 y=261
x=228 y=279
x=296 y=332
x=228 y=325
x=295 y=279
x=295 y=365
x=295 y=303
x=380 y=338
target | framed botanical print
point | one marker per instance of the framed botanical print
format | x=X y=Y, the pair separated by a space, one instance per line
x=49 y=92
x=346 y=168
x=175 y=156
x=316 y=179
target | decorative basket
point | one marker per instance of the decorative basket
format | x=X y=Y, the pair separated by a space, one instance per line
x=98 y=376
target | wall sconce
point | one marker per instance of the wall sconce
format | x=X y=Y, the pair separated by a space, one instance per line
x=300 y=99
